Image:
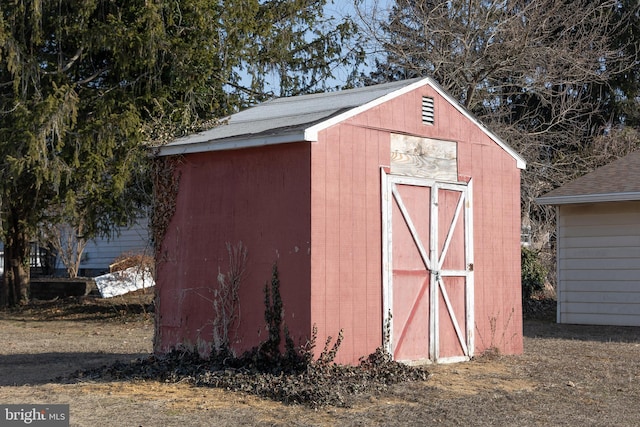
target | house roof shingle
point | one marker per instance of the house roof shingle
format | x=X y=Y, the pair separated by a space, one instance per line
x=616 y=181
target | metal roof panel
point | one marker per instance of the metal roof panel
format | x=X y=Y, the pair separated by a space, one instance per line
x=289 y=113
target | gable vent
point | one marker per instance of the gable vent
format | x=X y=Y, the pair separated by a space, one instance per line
x=427 y=110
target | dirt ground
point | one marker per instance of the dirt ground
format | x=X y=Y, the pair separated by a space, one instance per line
x=569 y=375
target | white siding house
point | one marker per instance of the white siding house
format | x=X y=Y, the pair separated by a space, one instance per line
x=100 y=253
x=598 y=245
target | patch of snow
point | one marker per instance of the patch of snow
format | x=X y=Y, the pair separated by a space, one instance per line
x=125 y=281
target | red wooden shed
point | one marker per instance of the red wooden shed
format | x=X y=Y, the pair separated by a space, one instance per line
x=386 y=207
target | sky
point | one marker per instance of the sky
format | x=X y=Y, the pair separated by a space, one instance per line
x=358 y=9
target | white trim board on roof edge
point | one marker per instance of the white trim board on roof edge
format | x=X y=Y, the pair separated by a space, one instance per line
x=589 y=198
x=310 y=133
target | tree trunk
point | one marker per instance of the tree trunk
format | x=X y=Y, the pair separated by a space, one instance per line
x=4 y=289
x=17 y=273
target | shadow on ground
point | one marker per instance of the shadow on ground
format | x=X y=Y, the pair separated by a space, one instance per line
x=124 y=308
x=540 y=322
x=42 y=368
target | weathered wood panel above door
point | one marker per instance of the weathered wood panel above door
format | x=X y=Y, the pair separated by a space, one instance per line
x=424 y=157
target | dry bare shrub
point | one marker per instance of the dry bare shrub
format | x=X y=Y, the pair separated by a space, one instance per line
x=132 y=259
x=226 y=298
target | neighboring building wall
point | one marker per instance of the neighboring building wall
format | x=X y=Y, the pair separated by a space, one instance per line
x=599 y=263
x=258 y=196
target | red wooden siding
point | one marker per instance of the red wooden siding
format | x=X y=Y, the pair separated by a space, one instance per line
x=346 y=238
x=260 y=197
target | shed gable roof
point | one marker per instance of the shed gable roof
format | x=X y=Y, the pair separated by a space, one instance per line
x=616 y=181
x=301 y=118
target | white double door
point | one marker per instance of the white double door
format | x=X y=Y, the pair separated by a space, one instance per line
x=427 y=269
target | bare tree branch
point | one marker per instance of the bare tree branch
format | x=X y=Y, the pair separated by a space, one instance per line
x=538 y=73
